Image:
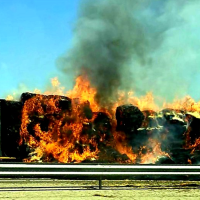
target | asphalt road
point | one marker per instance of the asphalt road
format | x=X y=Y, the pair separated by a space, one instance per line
x=52 y=189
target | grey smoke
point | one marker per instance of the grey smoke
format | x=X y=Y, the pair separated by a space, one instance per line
x=143 y=45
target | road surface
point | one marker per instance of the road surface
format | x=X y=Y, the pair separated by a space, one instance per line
x=53 y=189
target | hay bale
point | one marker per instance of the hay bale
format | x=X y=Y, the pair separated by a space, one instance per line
x=129 y=119
x=10 y=118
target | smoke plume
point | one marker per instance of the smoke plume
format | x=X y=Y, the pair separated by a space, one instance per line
x=140 y=45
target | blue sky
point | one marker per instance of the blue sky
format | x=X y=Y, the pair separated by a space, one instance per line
x=33 y=34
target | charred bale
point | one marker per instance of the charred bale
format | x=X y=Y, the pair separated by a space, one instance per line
x=194 y=126
x=195 y=157
x=102 y=127
x=10 y=128
x=129 y=119
x=174 y=127
x=150 y=129
x=64 y=103
x=150 y=125
x=180 y=155
x=150 y=119
x=142 y=136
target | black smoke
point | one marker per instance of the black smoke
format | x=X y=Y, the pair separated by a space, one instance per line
x=140 y=45
x=107 y=34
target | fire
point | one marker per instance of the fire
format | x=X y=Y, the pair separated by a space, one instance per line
x=55 y=82
x=121 y=146
x=84 y=92
x=84 y=130
x=56 y=143
x=153 y=152
x=9 y=98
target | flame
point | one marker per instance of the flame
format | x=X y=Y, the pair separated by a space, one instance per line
x=84 y=92
x=153 y=152
x=55 y=82
x=188 y=143
x=64 y=139
x=123 y=148
x=9 y=98
x=186 y=104
x=57 y=142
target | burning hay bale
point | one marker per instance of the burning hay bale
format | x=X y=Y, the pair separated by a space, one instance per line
x=92 y=132
x=174 y=127
x=192 y=136
x=25 y=96
x=52 y=128
x=43 y=121
x=175 y=117
x=76 y=133
x=102 y=126
x=149 y=129
x=129 y=119
x=193 y=127
x=150 y=119
x=62 y=102
x=43 y=109
x=168 y=128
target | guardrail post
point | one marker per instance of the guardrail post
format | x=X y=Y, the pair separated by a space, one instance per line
x=100 y=182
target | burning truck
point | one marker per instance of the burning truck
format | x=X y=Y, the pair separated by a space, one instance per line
x=74 y=128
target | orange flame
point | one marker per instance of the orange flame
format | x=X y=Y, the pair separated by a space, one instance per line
x=56 y=143
x=64 y=140
x=123 y=148
x=153 y=153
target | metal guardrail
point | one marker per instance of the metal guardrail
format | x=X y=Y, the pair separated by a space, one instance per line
x=93 y=170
